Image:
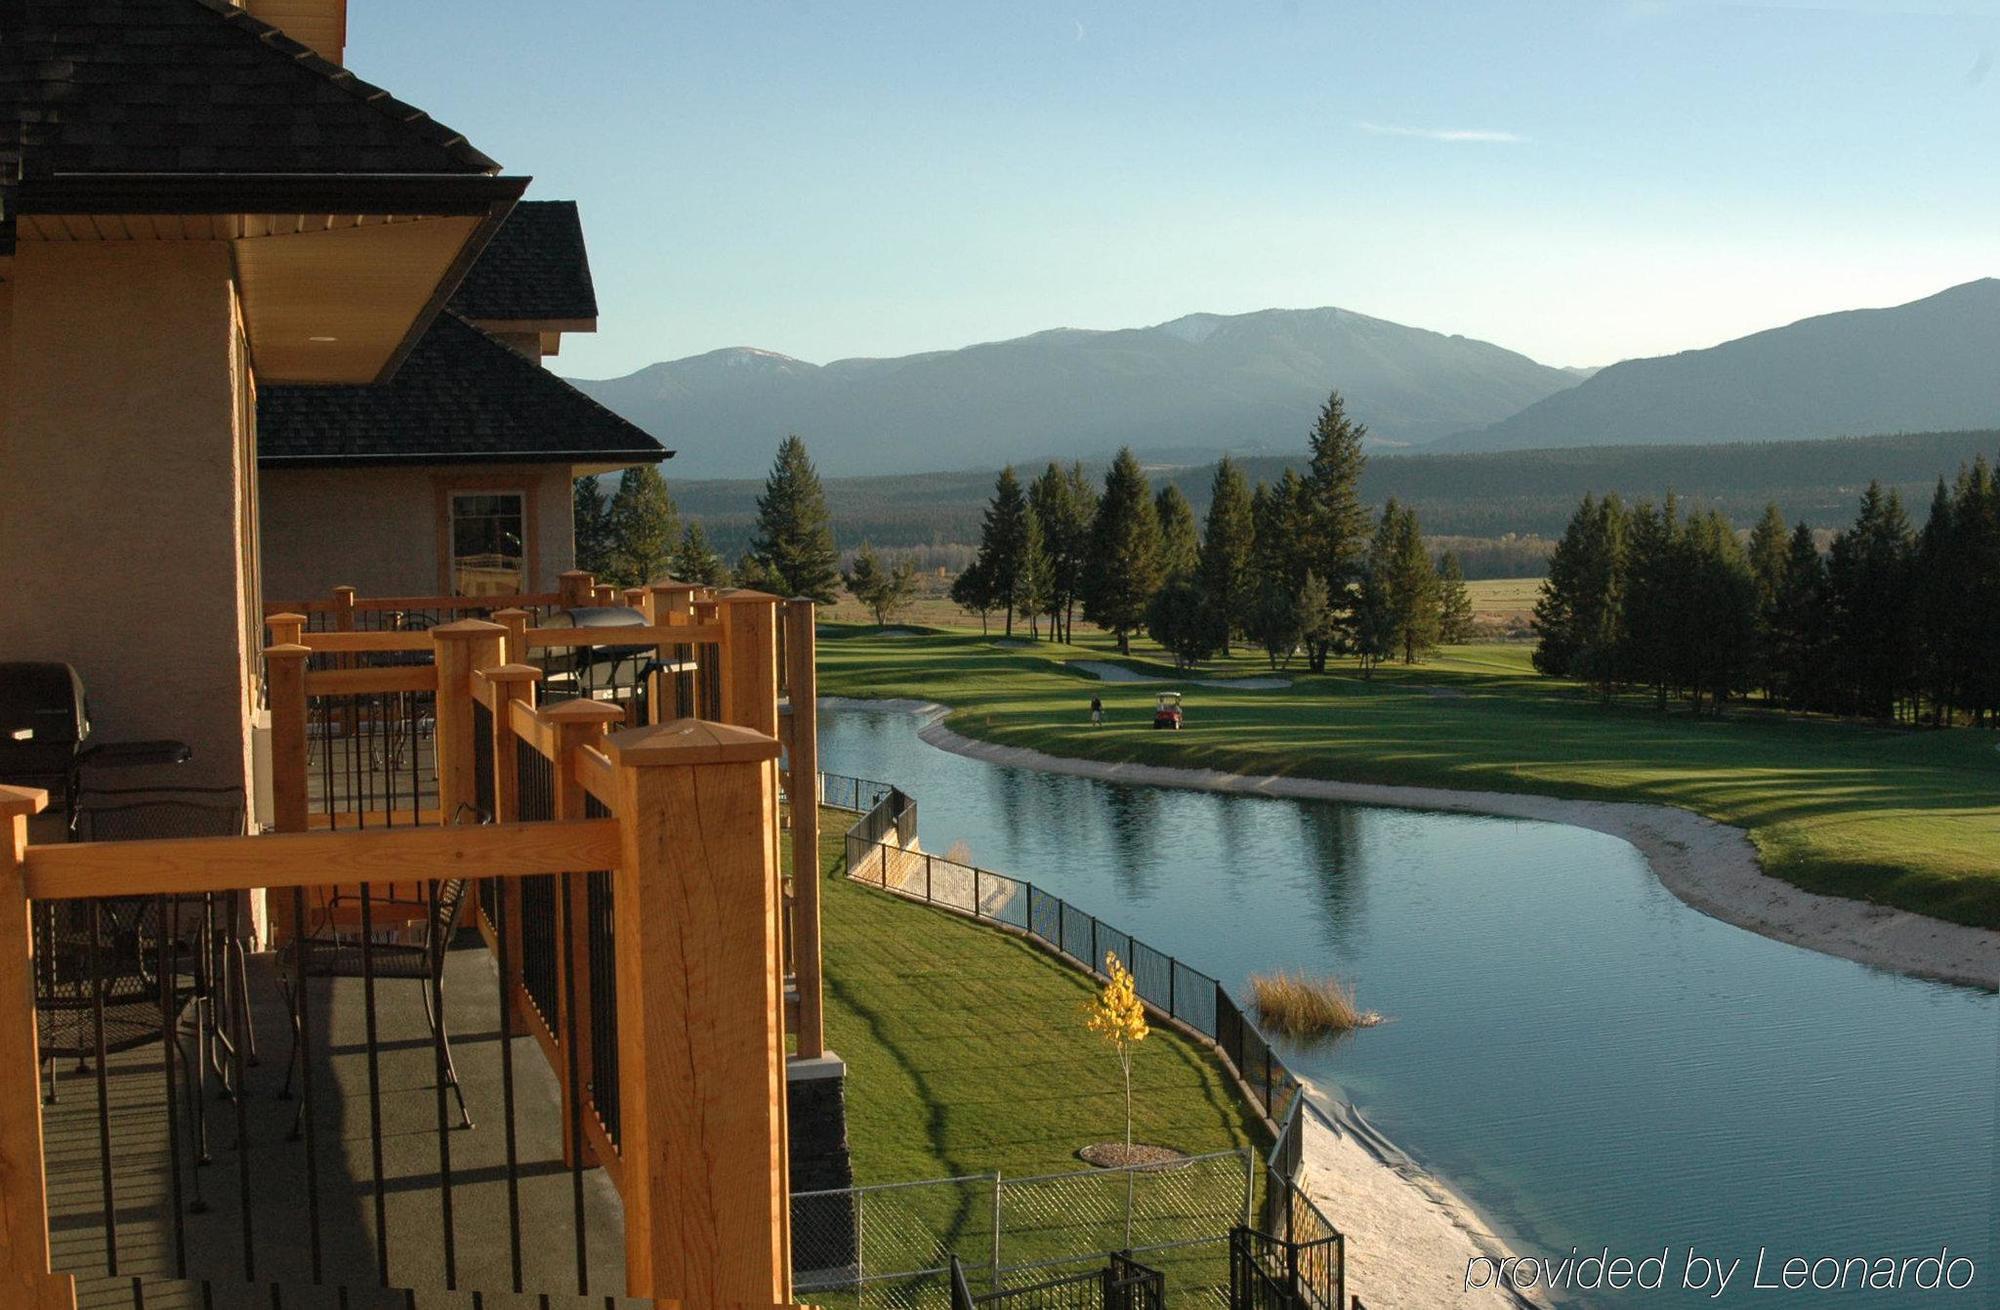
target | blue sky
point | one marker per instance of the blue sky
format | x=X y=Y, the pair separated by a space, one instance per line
x=1582 y=182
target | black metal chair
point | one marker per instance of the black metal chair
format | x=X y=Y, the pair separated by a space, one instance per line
x=326 y=954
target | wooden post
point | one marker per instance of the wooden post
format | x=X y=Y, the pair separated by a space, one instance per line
x=511 y=683
x=343 y=609
x=803 y=762
x=460 y=648
x=700 y=1027
x=577 y=723
x=286 y=629
x=285 y=689
x=514 y=649
x=750 y=673
x=604 y=594
x=638 y=598
x=25 y=1277
x=574 y=588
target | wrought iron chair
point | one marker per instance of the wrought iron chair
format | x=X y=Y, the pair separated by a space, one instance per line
x=325 y=954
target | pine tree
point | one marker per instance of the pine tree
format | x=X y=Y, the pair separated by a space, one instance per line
x=972 y=591
x=1653 y=613
x=1334 y=524
x=592 y=526
x=696 y=561
x=1869 y=604
x=1124 y=552
x=1064 y=504
x=1718 y=638
x=1227 y=565
x=1579 y=613
x=1769 y=554
x=1036 y=578
x=793 y=548
x=1313 y=611
x=1798 y=625
x=644 y=526
x=1003 y=544
x=1454 y=602
x=1180 y=542
x=1183 y=622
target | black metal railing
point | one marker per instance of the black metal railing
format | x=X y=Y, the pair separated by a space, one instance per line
x=482 y=793
x=182 y=1169
x=372 y=759
x=1271 y=1273
x=840 y=792
x=535 y=800
x=878 y=854
x=1122 y=1284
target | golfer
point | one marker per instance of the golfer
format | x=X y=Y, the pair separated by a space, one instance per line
x=1096 y=712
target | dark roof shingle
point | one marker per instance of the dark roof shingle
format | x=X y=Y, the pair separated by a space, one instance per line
x=535 y=268
x=199 y=86
x=462 y=395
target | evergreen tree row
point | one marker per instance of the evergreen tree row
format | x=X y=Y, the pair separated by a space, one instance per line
x=1290 y=567
x=1889 y=623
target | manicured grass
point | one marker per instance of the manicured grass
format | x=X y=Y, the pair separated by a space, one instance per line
x=967 y=1053
x=1904 y=817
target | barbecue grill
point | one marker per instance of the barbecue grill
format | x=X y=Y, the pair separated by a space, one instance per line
x=44 y=728
x=606 y=672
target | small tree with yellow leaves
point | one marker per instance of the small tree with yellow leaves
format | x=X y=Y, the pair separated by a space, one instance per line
x=1117 y=1015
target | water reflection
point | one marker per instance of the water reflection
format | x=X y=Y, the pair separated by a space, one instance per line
x=1587 y=1058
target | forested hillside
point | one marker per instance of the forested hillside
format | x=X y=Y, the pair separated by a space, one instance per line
x=1526 y=493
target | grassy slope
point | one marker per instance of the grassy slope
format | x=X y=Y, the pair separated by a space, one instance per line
x=966 y=1049
x=1902 y=817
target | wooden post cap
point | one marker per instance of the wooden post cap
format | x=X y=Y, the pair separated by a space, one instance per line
x=583 y=710
x=468 y=628
x=743 y=595
x=689 y=741
x=287 y=650
x=22 y=800
x=346 y=590
x=296 y=620
x=511 y=673
x=575 y=573
x=511 y=614
x=675 y=584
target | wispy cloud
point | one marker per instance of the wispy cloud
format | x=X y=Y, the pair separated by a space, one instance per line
x=1477 y=135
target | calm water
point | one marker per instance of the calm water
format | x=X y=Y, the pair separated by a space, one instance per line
x=1590 y=1061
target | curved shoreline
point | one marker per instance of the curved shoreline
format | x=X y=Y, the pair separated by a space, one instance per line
x=1710 y=866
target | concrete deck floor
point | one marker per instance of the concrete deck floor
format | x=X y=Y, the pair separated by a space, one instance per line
x=278 y=1208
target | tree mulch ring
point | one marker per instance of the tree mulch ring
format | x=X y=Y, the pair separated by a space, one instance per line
x=1117 y=1155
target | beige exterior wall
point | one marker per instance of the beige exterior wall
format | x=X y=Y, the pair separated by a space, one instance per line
x=127 y=531
x=383 y=530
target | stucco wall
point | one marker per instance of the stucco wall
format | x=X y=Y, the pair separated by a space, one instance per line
x=121 y=528
x=377 y=529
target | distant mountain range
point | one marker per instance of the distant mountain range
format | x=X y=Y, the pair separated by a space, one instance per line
x=1930 y=365
x=1184 y=390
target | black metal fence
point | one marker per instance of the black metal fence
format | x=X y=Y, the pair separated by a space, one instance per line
x=1123 y=1284
x=878 y=854
x=372 y=758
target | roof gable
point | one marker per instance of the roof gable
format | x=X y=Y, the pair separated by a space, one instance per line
x=460 y=396
x=200 y=86
x=535 y=269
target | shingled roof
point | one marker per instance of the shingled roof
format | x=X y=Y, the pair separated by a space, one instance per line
x=534 y=269
x=461 y=397
x=199 y=87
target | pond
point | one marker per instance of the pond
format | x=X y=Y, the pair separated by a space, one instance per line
x=1590 y=1061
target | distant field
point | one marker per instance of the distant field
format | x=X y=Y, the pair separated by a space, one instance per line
x=1904 y=817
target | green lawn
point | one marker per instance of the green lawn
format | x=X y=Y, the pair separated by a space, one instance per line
x=1908 y=818
x=966 y=1049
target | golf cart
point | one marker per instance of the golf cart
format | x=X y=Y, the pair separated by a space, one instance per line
x=1167 y=712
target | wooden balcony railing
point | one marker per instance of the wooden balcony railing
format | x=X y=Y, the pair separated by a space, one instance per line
x=629 y=887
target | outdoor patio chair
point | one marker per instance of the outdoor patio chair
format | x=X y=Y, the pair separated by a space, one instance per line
x=326 y=954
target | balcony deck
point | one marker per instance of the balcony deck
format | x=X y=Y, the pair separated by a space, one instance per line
x=413 y=1196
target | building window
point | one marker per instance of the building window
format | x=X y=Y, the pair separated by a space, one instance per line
x=488 y=529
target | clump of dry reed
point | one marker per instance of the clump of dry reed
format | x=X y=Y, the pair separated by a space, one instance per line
x=1298 y=1006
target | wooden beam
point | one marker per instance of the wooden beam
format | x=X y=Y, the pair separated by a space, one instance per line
x=461 y=647
x=25 y=1277
x=312 y=859
x=700 y=1017
x=369 y=682
x=802 y=677
x=344 y=643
